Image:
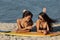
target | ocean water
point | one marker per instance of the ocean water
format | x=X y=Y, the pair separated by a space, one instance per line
x=11 y=10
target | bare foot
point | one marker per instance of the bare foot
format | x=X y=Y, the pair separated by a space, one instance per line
x=44 y=10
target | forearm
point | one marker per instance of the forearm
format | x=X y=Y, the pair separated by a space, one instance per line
x=29 y=27
x=38 y=30
x=23 y=29
x=47 y=28
x=18 y=24
x=18 y=27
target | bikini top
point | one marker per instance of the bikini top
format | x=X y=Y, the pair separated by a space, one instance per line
x=21 y=26
x=41 y=28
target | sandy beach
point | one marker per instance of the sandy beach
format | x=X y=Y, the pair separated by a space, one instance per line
x=13 y=26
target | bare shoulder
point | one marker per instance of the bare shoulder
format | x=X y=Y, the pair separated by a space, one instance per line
x=46 y=23
x=38 y=20
x=18 y=20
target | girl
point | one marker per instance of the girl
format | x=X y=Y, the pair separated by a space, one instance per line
x=44 y=23
x=25 y=23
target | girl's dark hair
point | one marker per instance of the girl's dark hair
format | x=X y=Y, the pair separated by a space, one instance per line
x=27 y=13
x=47 y=19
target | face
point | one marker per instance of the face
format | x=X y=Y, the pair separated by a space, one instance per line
x=28 y=18
x=41 y=18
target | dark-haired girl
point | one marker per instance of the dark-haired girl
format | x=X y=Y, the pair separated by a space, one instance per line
x=44 y=22
x=25 y=23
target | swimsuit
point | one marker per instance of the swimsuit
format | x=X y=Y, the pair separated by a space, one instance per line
x=42 y=28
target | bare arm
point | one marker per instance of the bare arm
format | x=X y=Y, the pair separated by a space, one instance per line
x=27 y=26
x=18 y=24
x=47 y=27
x=37 y=25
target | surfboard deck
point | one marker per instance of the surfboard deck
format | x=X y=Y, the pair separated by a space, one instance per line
x=30 y=34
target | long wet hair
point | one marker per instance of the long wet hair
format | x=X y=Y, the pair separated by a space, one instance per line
x=47 y=19
x=28 y=13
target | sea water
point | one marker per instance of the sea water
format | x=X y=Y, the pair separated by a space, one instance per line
x=11 y=10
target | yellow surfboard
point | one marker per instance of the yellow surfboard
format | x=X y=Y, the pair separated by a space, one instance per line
x=30 y=34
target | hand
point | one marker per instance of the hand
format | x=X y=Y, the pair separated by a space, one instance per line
x=39 y=31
